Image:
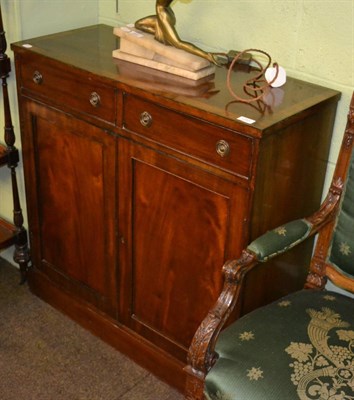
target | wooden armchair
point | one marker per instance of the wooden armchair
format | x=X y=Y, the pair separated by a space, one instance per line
x=299 y=347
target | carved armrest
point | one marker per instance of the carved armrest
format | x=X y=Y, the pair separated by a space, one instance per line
x=202 y=354
x=287 y=236
x=280 y=239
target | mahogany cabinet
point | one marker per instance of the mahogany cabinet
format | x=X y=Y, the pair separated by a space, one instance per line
x=140 y=185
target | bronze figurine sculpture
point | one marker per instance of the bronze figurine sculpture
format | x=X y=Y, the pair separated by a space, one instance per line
x=162 y=26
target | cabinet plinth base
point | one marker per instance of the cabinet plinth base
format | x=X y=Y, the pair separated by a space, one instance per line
x=165 y=367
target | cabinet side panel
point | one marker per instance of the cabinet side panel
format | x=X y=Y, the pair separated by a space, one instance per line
x=290 y=176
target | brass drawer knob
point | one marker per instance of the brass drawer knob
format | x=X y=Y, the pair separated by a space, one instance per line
x=222 y=148
x=37 y=77
x=145 y=119
x=95 y=99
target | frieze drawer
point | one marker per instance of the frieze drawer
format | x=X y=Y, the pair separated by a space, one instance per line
x=69 y=89
x=225 y=149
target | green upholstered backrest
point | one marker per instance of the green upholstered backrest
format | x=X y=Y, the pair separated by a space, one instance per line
x=342 y=249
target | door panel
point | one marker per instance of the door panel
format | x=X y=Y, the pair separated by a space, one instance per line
x=72 y=167
x=178 y=232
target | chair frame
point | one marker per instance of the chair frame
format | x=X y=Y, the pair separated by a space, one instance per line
x=202 y=355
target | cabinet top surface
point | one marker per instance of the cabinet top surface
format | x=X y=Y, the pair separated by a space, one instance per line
x=90 y=49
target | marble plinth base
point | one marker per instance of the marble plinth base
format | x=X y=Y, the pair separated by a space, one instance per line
x=141 y=48
x=194 y=75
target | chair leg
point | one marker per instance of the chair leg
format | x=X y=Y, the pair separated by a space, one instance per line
x=194 y=385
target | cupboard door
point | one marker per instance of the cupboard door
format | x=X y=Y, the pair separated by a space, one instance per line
x=70 y=167
x=177 y=226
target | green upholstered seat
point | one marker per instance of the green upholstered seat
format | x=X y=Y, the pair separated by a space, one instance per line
x=299 y=347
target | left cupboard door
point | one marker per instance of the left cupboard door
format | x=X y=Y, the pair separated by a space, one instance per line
x=70 y=174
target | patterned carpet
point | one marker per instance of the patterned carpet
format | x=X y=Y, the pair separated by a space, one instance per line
x=46 y=356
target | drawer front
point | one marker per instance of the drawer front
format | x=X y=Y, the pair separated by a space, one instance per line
x=68 y=89
x=211 y=144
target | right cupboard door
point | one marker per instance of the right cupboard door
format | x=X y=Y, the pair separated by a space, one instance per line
x=178 y=224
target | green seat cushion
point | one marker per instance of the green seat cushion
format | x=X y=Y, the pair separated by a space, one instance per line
x=300 y=347
x=280 y=239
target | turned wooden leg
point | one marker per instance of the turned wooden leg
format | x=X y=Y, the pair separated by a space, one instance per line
x=22 y=254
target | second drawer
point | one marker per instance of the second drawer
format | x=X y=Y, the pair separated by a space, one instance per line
x=221 y=147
